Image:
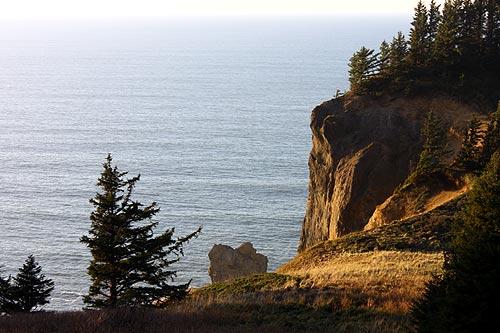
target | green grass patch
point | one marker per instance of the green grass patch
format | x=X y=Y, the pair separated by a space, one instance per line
x=251 y=284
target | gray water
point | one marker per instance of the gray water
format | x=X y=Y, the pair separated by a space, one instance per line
x=213 y=113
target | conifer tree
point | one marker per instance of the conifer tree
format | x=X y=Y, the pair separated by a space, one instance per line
x=419 y=33
x=362 y=64
x=470 y=30
x=5 y=294
x=468 y=157
x=433 y=21
x=446 y=43
x=464 y=298
x=30 y=289
x=491 y=141
x=130 y=265
x=435 y=147
x=398 y=54
x=479 y=24
x=492 y=29
x=384 y=56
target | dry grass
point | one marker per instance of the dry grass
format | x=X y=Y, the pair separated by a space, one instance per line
x=387 y=280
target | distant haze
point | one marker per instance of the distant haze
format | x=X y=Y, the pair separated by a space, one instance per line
x=61 y=9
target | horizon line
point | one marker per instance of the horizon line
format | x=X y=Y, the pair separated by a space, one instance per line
x=346 y=14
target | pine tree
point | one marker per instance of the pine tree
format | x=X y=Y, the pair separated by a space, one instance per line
x=468 y=157
x=130 y=265
x=419 y=32
x=30 y=289
x=5 y=295
x=492 y=30
x=464 y=298
x=433 y=21
x=362 y=64
x=435 y=148
x=384 y=56
x=398 y=54
x=491 y=141
x=479 y=23
x=470 y=30
x=446 y=42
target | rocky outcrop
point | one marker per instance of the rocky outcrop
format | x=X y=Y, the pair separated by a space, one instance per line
x=227 y=263
x=362 y=150
x=416 y=200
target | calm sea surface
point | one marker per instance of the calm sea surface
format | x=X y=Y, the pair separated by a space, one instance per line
x=213 y=113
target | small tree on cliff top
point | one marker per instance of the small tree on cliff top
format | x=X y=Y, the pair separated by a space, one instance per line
x=362 y=64
x=129 y=263
x=419 y=43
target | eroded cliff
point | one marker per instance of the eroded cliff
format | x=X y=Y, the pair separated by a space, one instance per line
x=362 y=150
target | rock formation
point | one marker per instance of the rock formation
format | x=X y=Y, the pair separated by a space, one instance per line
x=227 y=263
x=362 y=150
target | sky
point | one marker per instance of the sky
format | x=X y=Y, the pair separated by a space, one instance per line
x=64 y=9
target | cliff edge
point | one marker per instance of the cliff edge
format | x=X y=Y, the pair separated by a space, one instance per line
x=363 y=148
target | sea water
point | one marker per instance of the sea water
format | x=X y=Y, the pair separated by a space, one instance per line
x=212 y=112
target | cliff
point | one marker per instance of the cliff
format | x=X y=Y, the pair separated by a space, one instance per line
x=363 y=148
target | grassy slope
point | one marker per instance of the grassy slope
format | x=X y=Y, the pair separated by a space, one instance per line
x=429 y=232
x=362 y=282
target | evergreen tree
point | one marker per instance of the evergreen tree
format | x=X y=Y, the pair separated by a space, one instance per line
x=465 y=298
x=492 y=29
x=435 y=148
x=470 y=30
x=362 y=64
x=5 y=295
x=398 y=54
x=479 y=24
x=130 y=265
x=468 y=157
x=446 y=43
x=433 y=21
x=384 y=56
x=30 y=289
x=491 y=141
x=419 y=32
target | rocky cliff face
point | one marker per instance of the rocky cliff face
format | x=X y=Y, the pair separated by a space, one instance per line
x=362 y=150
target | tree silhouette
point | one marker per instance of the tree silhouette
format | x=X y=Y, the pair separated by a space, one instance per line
x=5 y=294
x=30 y=289
x=130 y=265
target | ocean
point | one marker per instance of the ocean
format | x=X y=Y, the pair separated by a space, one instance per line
x=213 y=113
